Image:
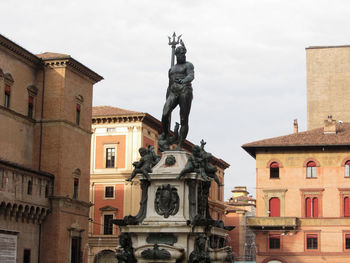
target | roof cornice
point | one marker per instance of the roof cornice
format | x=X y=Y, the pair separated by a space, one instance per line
x=19 y=51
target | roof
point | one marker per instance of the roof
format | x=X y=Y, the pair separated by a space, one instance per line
x=319 y=47
x=111 y=111
x=311 y=138
x=51 y=55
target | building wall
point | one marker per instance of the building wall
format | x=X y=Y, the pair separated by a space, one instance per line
x=291 y=188
x=328 y=79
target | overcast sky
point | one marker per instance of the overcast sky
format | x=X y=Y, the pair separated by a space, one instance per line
x=249 y=59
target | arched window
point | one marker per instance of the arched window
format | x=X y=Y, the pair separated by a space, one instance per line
x=311 y=170
x=274 y=170
x=315 y=207
x=274 y=204
x=347 y=168
x=347 y=206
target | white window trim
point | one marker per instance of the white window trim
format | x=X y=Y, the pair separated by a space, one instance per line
x=114 y=145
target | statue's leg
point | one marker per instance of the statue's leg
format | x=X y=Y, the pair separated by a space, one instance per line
x=169 y=106
x=185 y=102
x=133 y=174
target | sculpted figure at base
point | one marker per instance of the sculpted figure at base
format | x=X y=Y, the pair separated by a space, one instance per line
x=199 y=162
x=148 y=159
x=179 y=92
x=199 y=254
x=126 y=251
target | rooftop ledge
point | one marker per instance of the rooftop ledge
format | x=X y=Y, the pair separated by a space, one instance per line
x=272 y=222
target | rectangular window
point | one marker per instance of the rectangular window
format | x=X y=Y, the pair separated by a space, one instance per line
x=311 y=241
x=26 y=256
x=311 y=172
x=30 y=106
x=75 y=250
x=109 y=192
x=30 y=187
x=274 y=242
x=110 y=157
x=347 y=241
x=7 y=96
x=110 y=129
x=77 y=115
x=76 y=188
x=107 y=225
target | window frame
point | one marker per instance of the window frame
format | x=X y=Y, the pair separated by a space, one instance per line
x=113 y=192
x=347 y=169
x=311 y=170
x=312 y=235
x=7 y=96
x=104 y=225
x=110 y=146
x=346 y=236
x=77 y=114
x=311 y=193
x=343 y=193
x=30 y=187
x=76 y=183
x=274 y=237
x=274 y=170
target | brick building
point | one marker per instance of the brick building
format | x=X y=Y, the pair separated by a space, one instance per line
x=117 y=136
x=242 y=239
x=45 y=115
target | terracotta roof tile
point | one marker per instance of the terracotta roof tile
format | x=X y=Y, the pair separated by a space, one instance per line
x=314 y=137
x=109 y=111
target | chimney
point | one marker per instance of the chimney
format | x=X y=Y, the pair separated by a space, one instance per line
x=295 y=125
x=330 y=126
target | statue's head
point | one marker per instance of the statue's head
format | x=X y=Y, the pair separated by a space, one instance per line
x=200 y=242
x=143 y=151
x=196 y=150
x=180 y=53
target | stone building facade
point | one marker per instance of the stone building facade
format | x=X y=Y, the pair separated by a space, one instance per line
x=117 y=136
x=45 y=115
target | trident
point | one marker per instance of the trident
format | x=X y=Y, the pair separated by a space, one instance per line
x=173 y=44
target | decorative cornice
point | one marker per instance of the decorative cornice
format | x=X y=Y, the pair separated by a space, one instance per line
x=69 y=62
x=18 y=50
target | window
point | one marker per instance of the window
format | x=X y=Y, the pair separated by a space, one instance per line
x=75 y=250
x=46 y=190
x=312 y=241
x=347 y=206
x=109 y=191
x=77 y=114
x=347 y=169
x=26 y=256
x=7 y=96
x=274 y=242
x=274 y=207
x=347 y=241
x=311 y=207
x=311 y=170
x=274 y=170
x=111 y=129
x=75 y=188
x=110 y=157
x=30 y=106
x=107 y=225
x=30 y=187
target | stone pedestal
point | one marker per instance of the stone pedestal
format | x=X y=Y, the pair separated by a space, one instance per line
x=165 y=230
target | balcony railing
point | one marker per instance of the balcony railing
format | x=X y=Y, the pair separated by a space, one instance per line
x=272 y=222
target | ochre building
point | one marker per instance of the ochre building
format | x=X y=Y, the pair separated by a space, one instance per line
x=117 y=136
x=45 y=137
x=303 y=196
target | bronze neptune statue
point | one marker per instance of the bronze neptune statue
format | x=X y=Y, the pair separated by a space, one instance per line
x=179 y=92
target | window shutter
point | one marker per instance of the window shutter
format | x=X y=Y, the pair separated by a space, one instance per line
x=78 y=107
x=347 y=206
x=7 y=90
x=308 y=172
x=312 y=236
x=315 y=207
x=31 y=101
x=308 y=207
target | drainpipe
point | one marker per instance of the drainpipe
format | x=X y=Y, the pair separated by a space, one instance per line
x=42 y=116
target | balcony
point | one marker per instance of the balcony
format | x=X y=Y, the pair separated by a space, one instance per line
x=272 y=223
